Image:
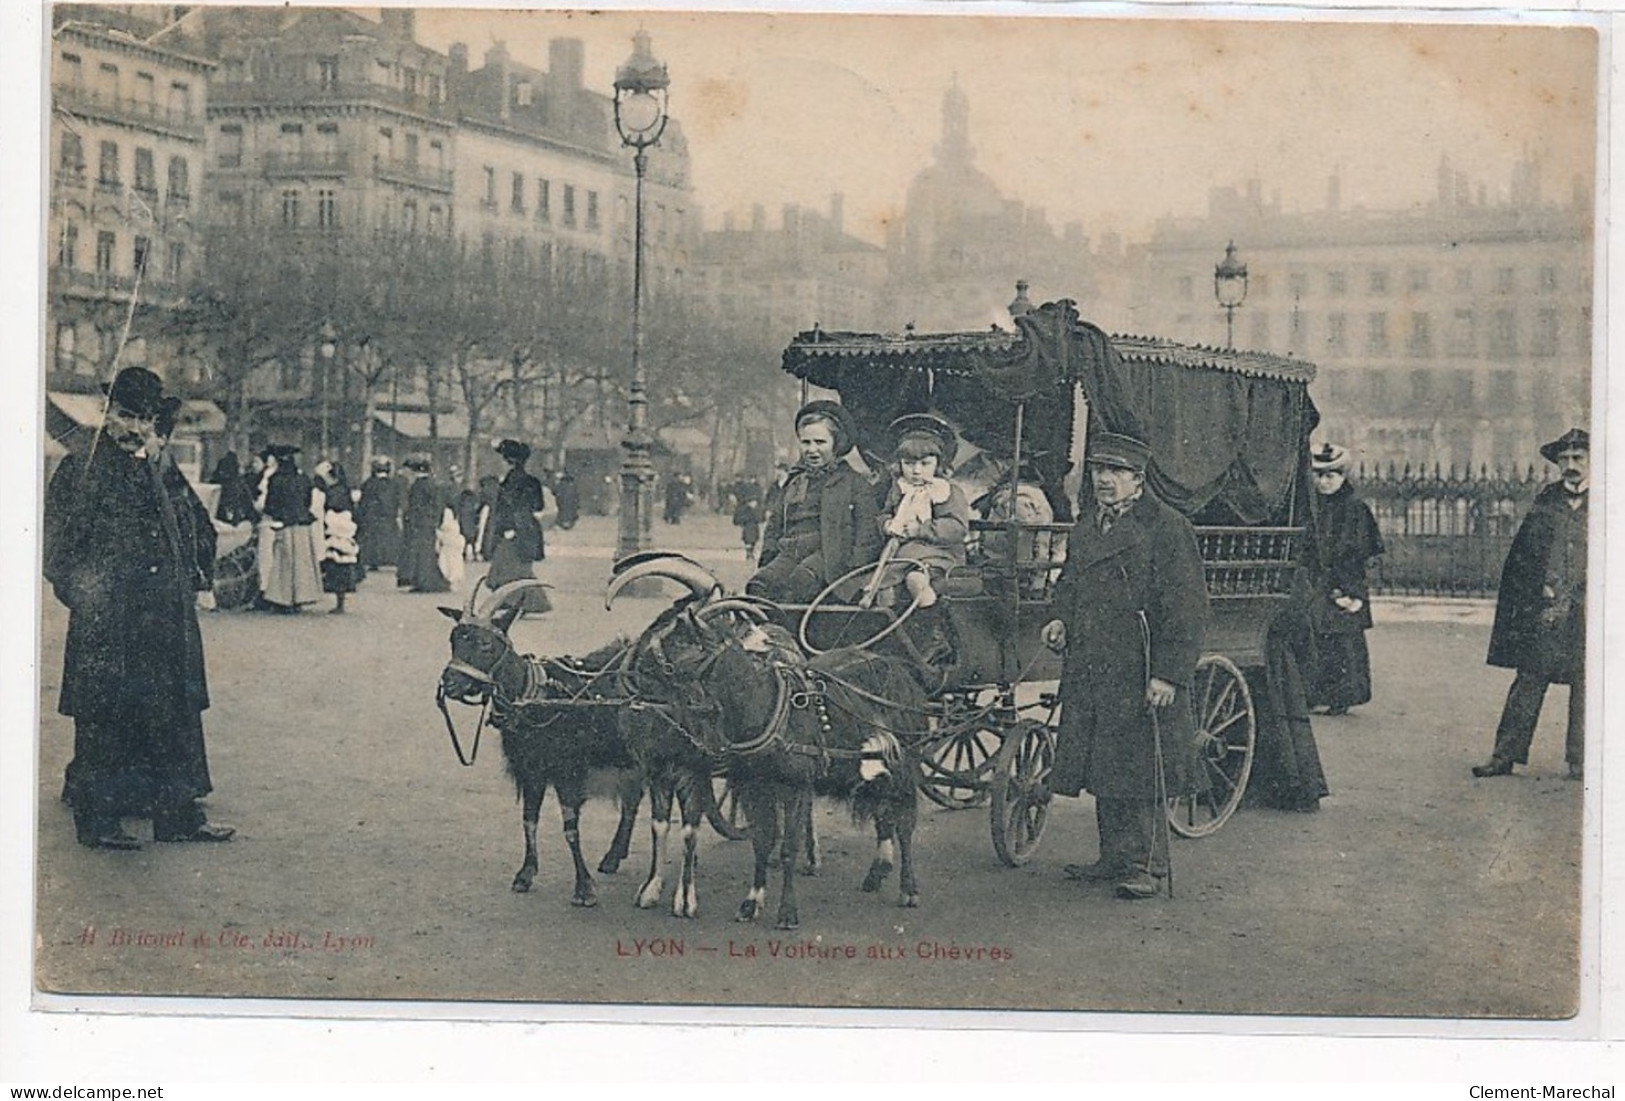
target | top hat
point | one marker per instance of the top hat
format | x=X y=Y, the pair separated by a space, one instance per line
x=836 y=413
x=1575 y=439
x=138 y=390
x=928 y=426
x=514 y=451
x=1329 y=456
x=1122 y=452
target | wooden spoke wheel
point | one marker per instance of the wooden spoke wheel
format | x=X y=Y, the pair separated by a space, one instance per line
x=843 y=621
x=1020 y=788
x=723 y=811
x=237 y=577
x=1226 y=740
x=957 y=767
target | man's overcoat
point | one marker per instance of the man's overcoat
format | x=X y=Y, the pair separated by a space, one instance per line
x=848 y=521
x=1147 y=562
x=129 y=571
x=1534 y=632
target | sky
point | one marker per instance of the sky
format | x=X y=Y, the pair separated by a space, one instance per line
x=1108 y=122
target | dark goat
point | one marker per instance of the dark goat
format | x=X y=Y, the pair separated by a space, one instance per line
x=553 y=731
x=845 y=724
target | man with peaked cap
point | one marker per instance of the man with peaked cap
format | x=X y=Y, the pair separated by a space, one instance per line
x=1540 y=620
x=1132 y=589
x=117 y=554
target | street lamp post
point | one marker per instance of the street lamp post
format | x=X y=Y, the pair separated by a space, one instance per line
x=329 y=348
x=1230 y=288
x=641 y=87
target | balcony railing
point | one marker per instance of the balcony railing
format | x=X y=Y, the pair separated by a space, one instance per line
x=323 y=163
x=106 y=284
x=179 y=120
x=412 y=173
x=249 y=93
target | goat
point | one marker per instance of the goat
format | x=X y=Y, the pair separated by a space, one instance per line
x=844 y=723
x=555 y=726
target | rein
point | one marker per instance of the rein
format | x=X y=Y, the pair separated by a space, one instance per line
x=451 y=728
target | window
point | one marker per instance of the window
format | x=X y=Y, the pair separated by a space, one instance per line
x=146 y=92
x=570 y=205
x=231 y=146
x=1543 y=341
x=1462 y=390
x=1503 y=389
x=1503 y=334
x=1378 y=283
x=411 y=150
x=292 y=139
x=1337 y=337
x=1464 y=279
x=1297 y=284
x=1379 y=395
x=180 y=180
x=140 y=254
x=71 y=165
x=1337 y=282
x=1548 y=279
x=386 y=145
x=1187 y=287
x=437 y=155
x=1463 y=334
x=1419 y=342
x=290 y=209
x=409 y=81
x=327 y=208
x=544 y=199
x=177 y=262
x=409 y=215
x=67 y=254
x=436 y=216
x=180 y=101
x=106 y=242
x=146 y=175
x=490 y=187
x=107 y=82
x=522 y=93
x=327 y=72
x=518 y=188
x=327 y=141
x=1506 y=280
x=1376 y=334
x=73 y=72
x=231 y=208
x=1422 y=389
x=592 y=211
x=1417 y=279
x=107 y=171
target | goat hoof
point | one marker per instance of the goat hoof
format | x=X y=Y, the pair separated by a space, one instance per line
x=878 y=871
x=521 y=884
x=747 y=911
x=909 y=902
x=609 y=865
x=649 y=896
x=809 y=869
x=789 y=921
x=584 y=901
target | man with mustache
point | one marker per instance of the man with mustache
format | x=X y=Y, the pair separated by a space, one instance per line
x=1540 y=610
x=118 y=554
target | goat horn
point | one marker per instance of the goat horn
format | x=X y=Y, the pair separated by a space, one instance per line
x=752 y=609
x=686 y=571
x=507 y=592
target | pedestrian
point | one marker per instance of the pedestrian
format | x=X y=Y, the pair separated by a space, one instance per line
x=1131 y=610
x=1343 y=538
x=341 y=555
x=567 y=496
x=747 y=517
x=378 y=515
x=294 y=578
x=126 y=549
x=468 y=506
x=426 y=505
x=517 y=521
x=236 y=503
x=823 y=522
x=1540 y=612
x=677 y=495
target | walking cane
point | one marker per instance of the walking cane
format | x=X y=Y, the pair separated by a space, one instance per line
x=1156 y=757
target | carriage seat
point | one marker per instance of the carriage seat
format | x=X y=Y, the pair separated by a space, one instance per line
x=963 y=583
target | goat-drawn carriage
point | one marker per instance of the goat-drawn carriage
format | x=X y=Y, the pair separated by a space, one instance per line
x=1229 y=432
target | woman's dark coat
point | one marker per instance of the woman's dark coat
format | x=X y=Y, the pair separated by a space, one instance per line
x=848 y=520
x=426 y=503
x=378 y=520
x=519 y=499
x=1148 y=562
x=127 y=550
x=1519 y=639
x=1344 y=539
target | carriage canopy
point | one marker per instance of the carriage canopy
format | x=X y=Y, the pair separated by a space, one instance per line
x=1229 y=430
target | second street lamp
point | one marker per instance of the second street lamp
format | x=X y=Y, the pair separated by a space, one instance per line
x=1230 y=288
x=329 y=348
x=641 y=85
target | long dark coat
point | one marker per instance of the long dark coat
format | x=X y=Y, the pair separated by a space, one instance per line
x=1148 y=562
x=378 y=520
x=128 y=546
x=1345 y=538
x=426 y=503
x=848 y=521
x=1520 y=638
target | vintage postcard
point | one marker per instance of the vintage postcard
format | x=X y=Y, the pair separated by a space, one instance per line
x=1010 y=515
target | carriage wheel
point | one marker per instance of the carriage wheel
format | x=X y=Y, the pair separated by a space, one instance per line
x=958 y=766
x=848 y=585
x=1226 y=738
x=237 y=577
x=1021 y=795
x=723 y=811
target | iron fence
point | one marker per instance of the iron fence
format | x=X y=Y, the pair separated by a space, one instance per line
x=1447 y=532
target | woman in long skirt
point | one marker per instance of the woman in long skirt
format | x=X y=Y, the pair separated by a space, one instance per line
x=293 y=578
x=516 y=521
x=1345 y=538
x=426 y=503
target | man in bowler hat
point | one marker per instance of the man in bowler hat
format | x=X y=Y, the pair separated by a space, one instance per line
x=117 y=554
x=1540 y=610
x=1131 y=610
